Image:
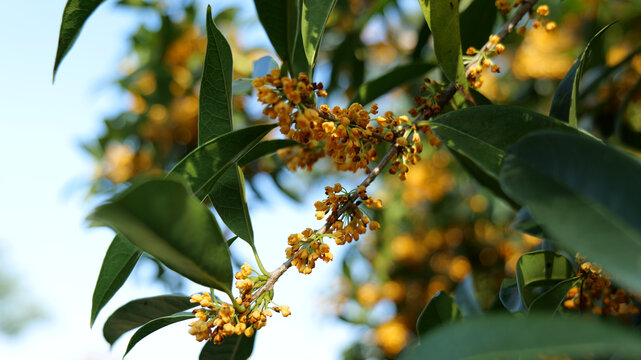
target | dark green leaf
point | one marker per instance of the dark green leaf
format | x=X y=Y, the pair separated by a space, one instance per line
x=564 y=101
x=540 y=268
x=483 y=133
x=509 y=337
x=477 y=22
x=314 y=17
x=203 y=166
x=228 y=197
x=163 y=218
x=489 y=181
x=443 y=19
x=215 y=108
x=265 y=148
x=231 y=241
x=73 y=18
x=236 y=347
x=138 y=312
x=281 y=20
x=153 y=325
x=381 y=85
x=272 y=15
x=465 y=297
x=550 y=300
x=525 y=223
x=510 y=296
x=120 y=259
x=584 y=194
x=441 y=309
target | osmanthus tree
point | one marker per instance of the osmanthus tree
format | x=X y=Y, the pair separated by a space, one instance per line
x=567 y=186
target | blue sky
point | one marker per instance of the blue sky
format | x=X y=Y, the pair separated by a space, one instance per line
x=44 y=241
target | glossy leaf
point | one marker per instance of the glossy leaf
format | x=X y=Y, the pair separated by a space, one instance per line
x=74 y=17
x=203 y=166
x=139 y=312
x=215 y=108
x=236 y=347
x=489 y=181
x=477 y=21
x=272 y=15
x=510 y=296
x=483 y=133
x=120 y=260
x=443 y=19
x=441 y=309
x=465 y=297
x=584 y=194
x=281 y=21
x=550 y=300
x=564 y=101
x=264 y=148
x=525 y=223
x=163 y=218
x=153 y=325
x=381 y=85
x=510 y=337
x=228 y=197
x=540 y=268
x=314 y=17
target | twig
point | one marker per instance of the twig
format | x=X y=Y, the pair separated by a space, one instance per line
x=446 y=95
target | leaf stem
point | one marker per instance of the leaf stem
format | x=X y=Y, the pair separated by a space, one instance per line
x=260 y=263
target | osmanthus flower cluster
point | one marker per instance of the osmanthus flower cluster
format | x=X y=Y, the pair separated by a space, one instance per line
x=217 y=320
x=347 y=224
x=595 y=291
x=478 y=60
x=347 y=135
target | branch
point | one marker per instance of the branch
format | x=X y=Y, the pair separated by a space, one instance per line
x=446 y=95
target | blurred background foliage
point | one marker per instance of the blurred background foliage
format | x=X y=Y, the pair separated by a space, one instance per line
x=441 y=230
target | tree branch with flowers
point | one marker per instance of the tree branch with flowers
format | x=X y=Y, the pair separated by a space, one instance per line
x=566 y=186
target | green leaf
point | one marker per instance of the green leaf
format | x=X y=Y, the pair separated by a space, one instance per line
x=73 y=18
x=272 y=15
x=215 y=108
x=314 y=18
x=564 y=100
x=509 y=337
x=584 y=194
x=483 y=133
x=264 y=148
x=489 y=181
x=510 y=296
x=153 y=325
x=441 y=309
x=525 y=223
x=203 y=166
x=381 y=85
x=138 y=312
x=281 y=20
x=443 y=19
x=120 y=259
x=228 y=198
x=477 y=22
x=550 y=300
x=162 y=218
x=465 y=297
x=540 y=268
x=235 y=347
